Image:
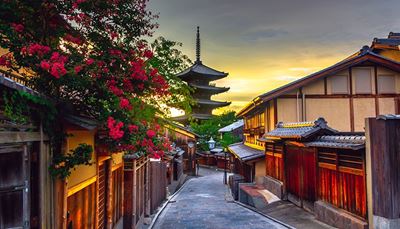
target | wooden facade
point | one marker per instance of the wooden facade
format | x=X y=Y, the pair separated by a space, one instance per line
x=366 y=84
x=185 y=140
x=93 y=196
x=383 y=162
x=316 y=163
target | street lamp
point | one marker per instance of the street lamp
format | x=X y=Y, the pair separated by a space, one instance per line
x=211 y=143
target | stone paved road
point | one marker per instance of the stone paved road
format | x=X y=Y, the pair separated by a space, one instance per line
x=204 y=203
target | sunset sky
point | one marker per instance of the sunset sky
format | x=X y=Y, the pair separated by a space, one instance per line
x=264 y=44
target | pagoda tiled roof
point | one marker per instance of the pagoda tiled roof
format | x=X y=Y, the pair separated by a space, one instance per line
x=199 y=69
x=212 y=102
x=210 y=88
x=353 y=142
x=298 y=130
x=195 y=116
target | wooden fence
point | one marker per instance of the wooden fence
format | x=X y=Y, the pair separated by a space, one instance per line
x=341 y=180
x=136 y=190
x=158 y=184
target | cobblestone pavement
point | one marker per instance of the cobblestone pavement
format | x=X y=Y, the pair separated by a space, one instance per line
x=205 y=202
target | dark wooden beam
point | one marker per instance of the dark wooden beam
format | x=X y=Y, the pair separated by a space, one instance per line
x=376 y=90
x=351 y=100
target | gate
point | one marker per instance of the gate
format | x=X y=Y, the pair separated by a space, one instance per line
x=301 y=176
x=14 y=186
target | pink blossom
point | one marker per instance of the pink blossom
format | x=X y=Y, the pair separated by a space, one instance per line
x=115 y=131
x=5 y=60
x=148 y=54
x=77 y=69
x=133 y=128
x=151 y=133
x=18 y=27
x=124 y=104
x=45 y=65
x=58 y=70
x=89 y=61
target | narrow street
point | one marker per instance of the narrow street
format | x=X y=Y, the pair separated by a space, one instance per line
x=205 y=202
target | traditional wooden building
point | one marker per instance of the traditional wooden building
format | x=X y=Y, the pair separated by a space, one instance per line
x=184 y=139
x=25 y=184
x=319 y=169
x=199 y=76
x=365 y=84
x=246 y=161
x=113 y=191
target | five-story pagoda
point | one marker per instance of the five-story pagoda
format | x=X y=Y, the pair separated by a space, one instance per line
x=199 y=76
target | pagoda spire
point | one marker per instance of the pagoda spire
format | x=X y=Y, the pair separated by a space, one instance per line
x=198 y=45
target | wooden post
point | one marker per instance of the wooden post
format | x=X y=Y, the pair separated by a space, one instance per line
x=109 y=194
x=129 y=192
x=147 y=188
x=383 y=159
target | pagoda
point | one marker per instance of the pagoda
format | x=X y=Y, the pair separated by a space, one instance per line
x=199 y=76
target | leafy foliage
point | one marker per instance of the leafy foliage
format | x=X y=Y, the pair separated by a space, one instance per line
x=91 y=59
x=169 y=61
x=209 y=128
x=64 y=163
x=228 y=139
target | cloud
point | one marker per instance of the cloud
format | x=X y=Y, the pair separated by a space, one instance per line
x=263 y=34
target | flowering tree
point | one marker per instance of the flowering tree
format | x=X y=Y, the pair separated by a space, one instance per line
x=90 y=57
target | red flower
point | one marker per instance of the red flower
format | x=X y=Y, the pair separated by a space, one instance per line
x=37 y=49
x=5 y=60
x=115 y=131
x=77 y=69
x=45 y=65
x=133 y=128
x=124 y=104
x=58 y=70
x=89 y=61
x=151 y=133
x=148 y=54
x=18 y=27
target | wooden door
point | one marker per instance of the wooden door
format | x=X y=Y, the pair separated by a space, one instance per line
x=301 y=175
x=14 y=186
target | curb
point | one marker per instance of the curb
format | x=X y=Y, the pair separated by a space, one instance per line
x=263 y=214
x=169 y=200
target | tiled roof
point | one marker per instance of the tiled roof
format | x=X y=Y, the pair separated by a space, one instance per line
x=387 y=41
x=298 y=130
x=353 y=142
x=10 y=83
x=201 y=69
x=210 y=88
x=245 y=153
x=212 y=102
x=388 y=117
x=232 y=126
x=86 y=123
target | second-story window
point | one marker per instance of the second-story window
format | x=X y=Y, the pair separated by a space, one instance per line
x=386 y=84
x=362 y=80
x=339 y=84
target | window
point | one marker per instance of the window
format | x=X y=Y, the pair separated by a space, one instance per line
x=339 y=84
x=362 y=80
x=386 y=84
